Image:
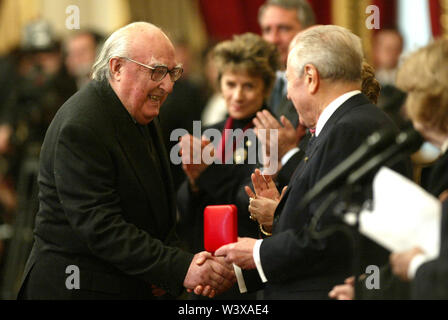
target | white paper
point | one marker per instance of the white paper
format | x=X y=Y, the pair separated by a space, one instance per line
x=404 y=215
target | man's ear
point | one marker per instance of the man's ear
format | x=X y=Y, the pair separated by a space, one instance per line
x=115 y=65
x=312 y=78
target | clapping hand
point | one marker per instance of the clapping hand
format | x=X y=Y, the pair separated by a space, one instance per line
x=264 y=186
x=288 y=136
x=193 y=152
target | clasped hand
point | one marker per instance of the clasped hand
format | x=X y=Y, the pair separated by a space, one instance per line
x=209 y=275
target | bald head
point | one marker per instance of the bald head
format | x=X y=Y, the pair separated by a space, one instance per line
x=128 y=40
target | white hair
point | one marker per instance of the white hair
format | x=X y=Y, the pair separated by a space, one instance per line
x=117 y=45
x=335 y=52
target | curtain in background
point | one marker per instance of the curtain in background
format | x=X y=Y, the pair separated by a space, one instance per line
x=224 y=19
x=438 y=10
x=180 y=19
x=323 y=10
x=388 y=13
x=14 y=14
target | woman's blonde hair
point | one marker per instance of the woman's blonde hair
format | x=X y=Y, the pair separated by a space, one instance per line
x=248 y=53
x=424 y=76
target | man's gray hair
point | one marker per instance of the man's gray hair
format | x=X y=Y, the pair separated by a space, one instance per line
x=117 y=45
x=335 y=52
x=305 y=14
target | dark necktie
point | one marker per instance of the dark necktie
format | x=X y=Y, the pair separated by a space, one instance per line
x=151 y=149
x=277 y=94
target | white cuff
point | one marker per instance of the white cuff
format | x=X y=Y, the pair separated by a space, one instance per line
x=240 y=279
x=415 y=263
x=288 y=155
x=256 y=254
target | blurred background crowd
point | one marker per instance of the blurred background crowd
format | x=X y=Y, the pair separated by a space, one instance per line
x=42 y=63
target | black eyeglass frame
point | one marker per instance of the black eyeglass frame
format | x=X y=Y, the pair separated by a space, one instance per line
x=173 y=76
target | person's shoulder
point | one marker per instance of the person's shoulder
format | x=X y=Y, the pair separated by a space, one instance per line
x=84 y=105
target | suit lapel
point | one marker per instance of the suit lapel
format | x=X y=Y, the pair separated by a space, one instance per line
x=136 y=151
x=135 y=148
x=154 y=129
x=359 y=99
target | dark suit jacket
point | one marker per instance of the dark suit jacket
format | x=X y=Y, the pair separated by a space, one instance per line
x=106 y=205
x=438 y=177
x=296 y=266
x=430 y=280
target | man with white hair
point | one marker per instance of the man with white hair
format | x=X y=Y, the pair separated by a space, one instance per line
x=324 y=83
x=105 y=226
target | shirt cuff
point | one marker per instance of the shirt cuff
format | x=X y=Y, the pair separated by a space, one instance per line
x=256 y=254
x=415 y=263
x=240 y=279
x=288 y=155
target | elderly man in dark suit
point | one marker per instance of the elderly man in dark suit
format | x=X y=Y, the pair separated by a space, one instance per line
x=324 y=83
x=107 y=209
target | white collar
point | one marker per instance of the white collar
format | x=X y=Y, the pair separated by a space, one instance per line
x=331 y=108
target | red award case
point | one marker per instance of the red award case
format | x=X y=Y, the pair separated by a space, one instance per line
x=220 y=226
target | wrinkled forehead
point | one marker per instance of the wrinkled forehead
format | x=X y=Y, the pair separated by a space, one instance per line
x=153 y=48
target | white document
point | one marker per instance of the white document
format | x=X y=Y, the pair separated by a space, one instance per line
x=404 y=215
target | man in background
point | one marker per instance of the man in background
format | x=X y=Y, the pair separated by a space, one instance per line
x=81 y=49
x=280 y=21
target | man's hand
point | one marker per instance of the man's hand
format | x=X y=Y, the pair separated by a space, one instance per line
x=264 y=186
x=239 y=253
x=209 y=275
x=344 y=291
x=443 y=196
x=262 y=209
x=400 y=262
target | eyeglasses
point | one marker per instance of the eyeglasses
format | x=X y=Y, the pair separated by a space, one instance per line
x=159 y=72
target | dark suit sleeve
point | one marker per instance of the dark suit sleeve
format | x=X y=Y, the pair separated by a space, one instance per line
x=430 y=280
x=85 y=183
x=286 y=172
x=294 y=252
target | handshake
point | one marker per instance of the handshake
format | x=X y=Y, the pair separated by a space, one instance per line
x=209 y=275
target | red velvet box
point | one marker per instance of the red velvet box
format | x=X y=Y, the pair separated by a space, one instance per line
x=220 y=226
